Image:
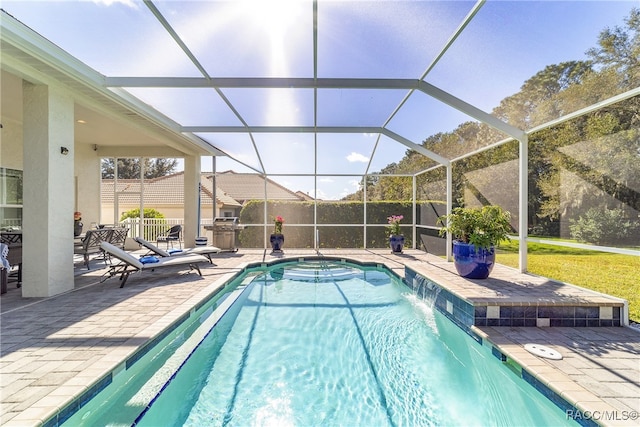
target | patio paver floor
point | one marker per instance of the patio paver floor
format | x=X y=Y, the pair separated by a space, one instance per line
x=52 y=349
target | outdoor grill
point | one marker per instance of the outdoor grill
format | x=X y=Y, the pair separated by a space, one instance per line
x=225 y=230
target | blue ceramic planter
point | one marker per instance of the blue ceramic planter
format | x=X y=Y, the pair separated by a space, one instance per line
x=397 y=243
x=471 y=262
x=277 y=241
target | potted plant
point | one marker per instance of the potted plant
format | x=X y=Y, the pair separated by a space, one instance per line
x=396 y=239
x=476 y=232
x=277 y=238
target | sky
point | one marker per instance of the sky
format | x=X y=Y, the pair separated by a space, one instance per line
x=506 y=43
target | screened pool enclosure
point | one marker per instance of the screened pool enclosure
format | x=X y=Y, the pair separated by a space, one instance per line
x=365 y=108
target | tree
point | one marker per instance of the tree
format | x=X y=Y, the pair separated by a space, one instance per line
x=619 y=49
x=537 y=102
x=129 y=168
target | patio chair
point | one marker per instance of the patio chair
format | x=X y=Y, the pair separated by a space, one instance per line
x=14 y=242
x=172 y=235
x=119 y=237
x=91 y=244
x=130 y=264
x=200 y=250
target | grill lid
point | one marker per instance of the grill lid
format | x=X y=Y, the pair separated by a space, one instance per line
x=225 y=222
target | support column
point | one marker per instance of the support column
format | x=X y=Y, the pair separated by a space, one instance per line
x=414 y=231
x=191 y=199
x=47 y=245
x=449 y=208
x=523 y=214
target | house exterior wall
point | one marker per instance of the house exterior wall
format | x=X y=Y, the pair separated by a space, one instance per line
x=87 y=183
x=11 y=155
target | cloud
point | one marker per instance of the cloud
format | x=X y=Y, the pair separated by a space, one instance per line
x=354 y=186
x=320 y=194
x=357 y=157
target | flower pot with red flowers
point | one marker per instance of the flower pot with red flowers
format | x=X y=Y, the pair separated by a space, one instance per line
x=277 y=238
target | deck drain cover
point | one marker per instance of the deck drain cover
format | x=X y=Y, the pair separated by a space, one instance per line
x=543 y=351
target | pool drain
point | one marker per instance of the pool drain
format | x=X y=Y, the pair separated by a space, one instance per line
x=543 y=351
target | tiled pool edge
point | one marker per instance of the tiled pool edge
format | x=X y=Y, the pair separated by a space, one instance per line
x=527 y=313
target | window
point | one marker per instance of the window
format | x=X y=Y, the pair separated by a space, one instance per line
x=10 y=199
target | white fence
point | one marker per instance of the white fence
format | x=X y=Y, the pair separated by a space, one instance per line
x=151 y=228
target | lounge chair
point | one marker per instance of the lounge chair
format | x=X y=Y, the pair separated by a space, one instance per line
x=200 y=250
x=130 y=264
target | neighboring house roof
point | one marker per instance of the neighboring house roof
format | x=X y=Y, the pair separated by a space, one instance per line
x=221 y=196
x=232 y=191
x=164 y=190
x=246 y=186
x=304 y=196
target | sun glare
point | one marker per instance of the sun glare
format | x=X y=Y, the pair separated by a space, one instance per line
x=274 y=16
x=277 y=19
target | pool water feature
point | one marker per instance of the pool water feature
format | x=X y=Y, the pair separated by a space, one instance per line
x=323 y=343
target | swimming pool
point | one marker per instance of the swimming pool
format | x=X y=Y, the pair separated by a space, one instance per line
x=319 y=343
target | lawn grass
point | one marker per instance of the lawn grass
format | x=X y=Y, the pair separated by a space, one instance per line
x=612 y=274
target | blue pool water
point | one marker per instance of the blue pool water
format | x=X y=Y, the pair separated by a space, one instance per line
x=322 y=344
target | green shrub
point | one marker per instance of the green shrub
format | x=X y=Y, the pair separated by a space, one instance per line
x=150 y=232
x=135 y=214
x=483 y=227
x=603 y=226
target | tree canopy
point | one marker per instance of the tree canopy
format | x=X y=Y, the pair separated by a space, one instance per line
x=129 y=168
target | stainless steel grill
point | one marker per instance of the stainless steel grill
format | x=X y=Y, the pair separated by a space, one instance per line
x=225 y=231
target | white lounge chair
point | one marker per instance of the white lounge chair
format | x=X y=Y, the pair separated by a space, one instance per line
x=199 y=250
x=130 y=264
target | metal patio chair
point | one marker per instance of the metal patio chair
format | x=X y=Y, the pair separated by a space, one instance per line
x=172 y=235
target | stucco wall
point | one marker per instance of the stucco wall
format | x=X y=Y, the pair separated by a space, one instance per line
x=11 y=134
x=87 y=183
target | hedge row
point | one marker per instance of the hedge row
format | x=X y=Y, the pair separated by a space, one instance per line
x=335 y=236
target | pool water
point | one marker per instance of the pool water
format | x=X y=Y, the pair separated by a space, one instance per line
x=315 y=344
x=320 y=344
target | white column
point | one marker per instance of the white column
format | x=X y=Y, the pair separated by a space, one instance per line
x=449 y=208
x=191 y=199
x=415 y=211
x=47 y=246
x=523 y=203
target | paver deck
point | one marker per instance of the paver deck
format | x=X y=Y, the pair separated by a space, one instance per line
x=53 y=349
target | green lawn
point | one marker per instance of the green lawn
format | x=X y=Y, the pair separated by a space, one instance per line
x=613 y=274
